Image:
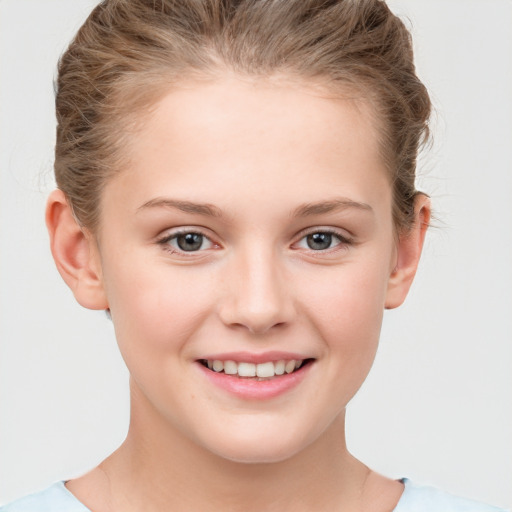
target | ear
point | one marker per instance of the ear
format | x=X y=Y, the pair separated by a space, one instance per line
x=75 y=252
x=409 y=249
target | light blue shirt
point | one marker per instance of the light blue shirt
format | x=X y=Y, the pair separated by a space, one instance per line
x=415 y=498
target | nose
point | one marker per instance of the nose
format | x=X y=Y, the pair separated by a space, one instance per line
x=257 y=294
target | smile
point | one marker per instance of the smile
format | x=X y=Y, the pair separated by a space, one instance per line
x=259 y=371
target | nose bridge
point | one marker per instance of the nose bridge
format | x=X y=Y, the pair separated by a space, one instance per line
x=258 y=298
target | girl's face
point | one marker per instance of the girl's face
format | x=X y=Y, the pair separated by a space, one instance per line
x=251 y=231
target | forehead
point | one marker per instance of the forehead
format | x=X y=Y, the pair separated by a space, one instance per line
x=258 y=107
x=255 y=139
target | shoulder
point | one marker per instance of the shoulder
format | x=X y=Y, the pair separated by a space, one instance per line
x=55 y=498
x=421 y=498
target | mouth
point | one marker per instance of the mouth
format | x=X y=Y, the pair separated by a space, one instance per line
x=264 y=371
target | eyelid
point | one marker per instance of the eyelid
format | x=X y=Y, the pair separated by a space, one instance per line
x=342 y=234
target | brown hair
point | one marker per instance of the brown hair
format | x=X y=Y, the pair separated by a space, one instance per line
x=129 y=52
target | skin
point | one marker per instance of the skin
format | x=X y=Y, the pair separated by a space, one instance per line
x=260 y=155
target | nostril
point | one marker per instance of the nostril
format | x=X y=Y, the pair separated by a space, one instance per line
x=256 y=328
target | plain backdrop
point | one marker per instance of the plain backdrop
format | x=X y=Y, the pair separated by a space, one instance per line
x=437 y=405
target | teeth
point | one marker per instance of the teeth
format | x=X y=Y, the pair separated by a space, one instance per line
x=261 y=370
x=247 y=370
x=279 y=367
x=218 y=366
x=230 y=367
x=290 y=366
x=265 y=370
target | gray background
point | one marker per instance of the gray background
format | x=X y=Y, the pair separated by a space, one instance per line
x=437 y=405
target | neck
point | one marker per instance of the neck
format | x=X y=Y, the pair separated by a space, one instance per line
x=151 y=472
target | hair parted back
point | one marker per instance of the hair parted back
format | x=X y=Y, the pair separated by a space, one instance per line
x=129 y=53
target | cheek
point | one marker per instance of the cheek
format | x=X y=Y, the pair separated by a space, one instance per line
x=154 y=311
x=346 y=308
x=156 y=315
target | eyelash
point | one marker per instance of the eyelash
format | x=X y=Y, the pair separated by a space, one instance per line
x=343 y=241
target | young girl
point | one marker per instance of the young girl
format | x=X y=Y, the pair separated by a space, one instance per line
x=236 y=190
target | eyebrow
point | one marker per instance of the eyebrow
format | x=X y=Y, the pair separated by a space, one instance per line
x=185 y=206
x=305 y=210
x=329 y=206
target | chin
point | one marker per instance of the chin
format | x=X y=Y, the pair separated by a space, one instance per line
x=245 y=455
x=260 y=449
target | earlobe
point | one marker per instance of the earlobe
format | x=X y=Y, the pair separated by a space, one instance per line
x=409 y=249
x=75 y=253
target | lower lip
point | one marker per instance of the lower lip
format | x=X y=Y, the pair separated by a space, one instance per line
x=251 y=389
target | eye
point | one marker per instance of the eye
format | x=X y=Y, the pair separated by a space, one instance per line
x=319 y=241
x=186 y=241
x=190 y=241
x=322 y=241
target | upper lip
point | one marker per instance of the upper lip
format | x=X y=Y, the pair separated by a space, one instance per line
x=256 y=358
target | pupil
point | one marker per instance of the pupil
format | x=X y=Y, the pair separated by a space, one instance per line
x=319 y=241
x=190 y=242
